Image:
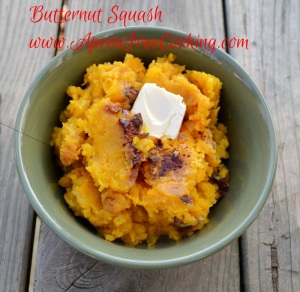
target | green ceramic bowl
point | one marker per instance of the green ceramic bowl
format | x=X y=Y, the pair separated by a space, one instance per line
x=252 y=150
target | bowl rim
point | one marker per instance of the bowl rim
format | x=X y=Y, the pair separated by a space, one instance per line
x=110 y=258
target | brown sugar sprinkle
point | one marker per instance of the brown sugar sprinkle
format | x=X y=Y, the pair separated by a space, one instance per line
x=170 y=162
x=162 y=163
x=187 y=199
x=136 y=155
x=143 y=135
x=113 y=108
x=222 y=185
x=132 y=126
x=131 y=94
x=159 y=144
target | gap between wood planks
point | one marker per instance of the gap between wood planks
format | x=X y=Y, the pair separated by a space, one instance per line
x=34 y=253
x=274 y=267
x=61 y=27
x=240 y=245
x=225 y=22
x=37 y=220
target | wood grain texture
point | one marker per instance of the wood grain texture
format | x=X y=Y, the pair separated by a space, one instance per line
x=62 y=268
x=19 y=64
x=16 y=220
x=270 y=247
x=197 y=17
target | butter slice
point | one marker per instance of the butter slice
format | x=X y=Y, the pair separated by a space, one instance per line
x=161 y=110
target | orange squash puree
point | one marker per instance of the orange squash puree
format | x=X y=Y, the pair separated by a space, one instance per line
x=127 y=184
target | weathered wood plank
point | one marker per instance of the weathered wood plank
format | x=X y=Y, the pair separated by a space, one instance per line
x=271 y=254
x=19 y=64
x=16 y=220
x=198 y=17
x=60 y=267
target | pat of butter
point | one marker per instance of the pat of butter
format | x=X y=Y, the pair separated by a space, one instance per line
x=161 y=110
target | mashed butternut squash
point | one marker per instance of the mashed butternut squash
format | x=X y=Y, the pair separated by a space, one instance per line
x=129 y=185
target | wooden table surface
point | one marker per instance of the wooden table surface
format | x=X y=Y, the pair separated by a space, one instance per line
x=266 y=257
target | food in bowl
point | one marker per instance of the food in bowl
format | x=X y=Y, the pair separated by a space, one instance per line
x=127 y=182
